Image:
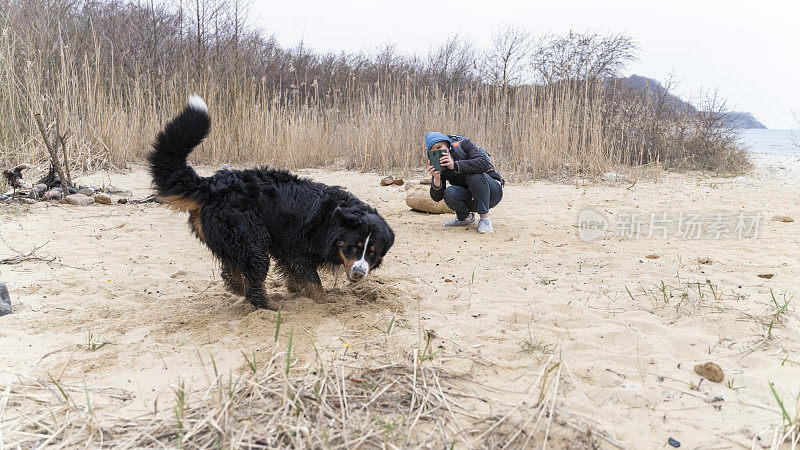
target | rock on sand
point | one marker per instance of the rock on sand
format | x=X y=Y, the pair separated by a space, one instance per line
x=710 y=371
x=782 y=218
x=79 y=199
x=52 y=194
x=419 y=198
x=5 y=301
x=102 y=198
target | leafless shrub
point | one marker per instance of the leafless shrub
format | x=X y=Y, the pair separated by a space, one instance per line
x=648 y=123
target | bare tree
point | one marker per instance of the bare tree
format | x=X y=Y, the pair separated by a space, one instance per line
x=452 y=64
x=504 y=61
x=581 y=56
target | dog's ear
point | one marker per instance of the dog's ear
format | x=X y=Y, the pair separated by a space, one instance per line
x=348 y=216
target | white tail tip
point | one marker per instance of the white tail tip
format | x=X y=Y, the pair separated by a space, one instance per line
x=195 y=102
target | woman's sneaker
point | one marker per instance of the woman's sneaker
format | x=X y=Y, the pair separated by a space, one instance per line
x=454 y=222
x=485 y=225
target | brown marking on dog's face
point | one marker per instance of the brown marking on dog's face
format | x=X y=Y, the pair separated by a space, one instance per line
x=182 y=203
x=360 y=244
x=348 y=262
x=372 y=248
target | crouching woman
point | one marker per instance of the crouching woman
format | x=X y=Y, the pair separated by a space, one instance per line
x=475 y=186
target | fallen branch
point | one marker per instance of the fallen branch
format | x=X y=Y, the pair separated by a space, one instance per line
x=53 y=155
x=22 y=257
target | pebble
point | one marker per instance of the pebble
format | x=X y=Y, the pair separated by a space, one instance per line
x=5 y=300
x=38 y=191
x=53 y=194
x=710 y=371
x=78 y=199
x=104 y=199
x=781 y=218
x=388 y=181
x=674 y=442
x=704 y=260
x=611 y=176
x=766 y=275
x=117 y=191
x=87 y=191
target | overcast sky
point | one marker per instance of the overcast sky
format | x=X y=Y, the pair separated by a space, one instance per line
x=749 y=51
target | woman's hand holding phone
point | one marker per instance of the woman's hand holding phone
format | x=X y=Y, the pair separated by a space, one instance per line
x=446 y=160
x=437 y=176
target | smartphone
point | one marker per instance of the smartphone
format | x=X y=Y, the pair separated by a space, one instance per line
x=435 y=156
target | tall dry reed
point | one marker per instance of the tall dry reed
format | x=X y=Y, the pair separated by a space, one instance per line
x=112 y=121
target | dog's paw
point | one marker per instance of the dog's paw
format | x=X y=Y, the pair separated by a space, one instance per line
x=318 y=294
x=271 y=305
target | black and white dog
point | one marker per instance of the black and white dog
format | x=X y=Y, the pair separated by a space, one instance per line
x=247 y=217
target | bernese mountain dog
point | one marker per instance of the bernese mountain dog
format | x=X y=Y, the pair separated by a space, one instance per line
x=249 y=217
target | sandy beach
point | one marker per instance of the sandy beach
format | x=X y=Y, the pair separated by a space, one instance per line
x=628 y=319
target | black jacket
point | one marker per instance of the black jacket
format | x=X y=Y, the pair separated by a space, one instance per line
x=468 y=159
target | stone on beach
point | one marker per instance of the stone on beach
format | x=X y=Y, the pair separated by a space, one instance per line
x=104 y=199
x=53 y=194
x=782 y=218
x=78 y=199
x=710 y=371
x=419 y=198
x=117 y=191
x=5 y=300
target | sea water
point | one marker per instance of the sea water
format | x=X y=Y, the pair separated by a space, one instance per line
x=771 y=142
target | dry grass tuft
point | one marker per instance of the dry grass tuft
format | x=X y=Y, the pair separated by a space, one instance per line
x=350 y=402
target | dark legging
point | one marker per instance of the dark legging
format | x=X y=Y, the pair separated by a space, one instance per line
x=484 y=193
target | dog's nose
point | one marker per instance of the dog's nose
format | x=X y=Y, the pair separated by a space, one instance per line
x=357 y=274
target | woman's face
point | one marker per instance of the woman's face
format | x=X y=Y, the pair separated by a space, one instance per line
x=442 y=145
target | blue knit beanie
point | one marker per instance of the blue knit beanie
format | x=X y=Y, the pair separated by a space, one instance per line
x=434 y=137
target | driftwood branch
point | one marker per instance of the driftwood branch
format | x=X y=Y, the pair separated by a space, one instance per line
x=62 y=138
x=53 y=155
x=30 y=256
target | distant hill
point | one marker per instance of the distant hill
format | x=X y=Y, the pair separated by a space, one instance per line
x=740 y=119
x=653 y=87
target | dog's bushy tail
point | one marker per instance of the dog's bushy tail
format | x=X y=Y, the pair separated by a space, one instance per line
x=171 y=175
